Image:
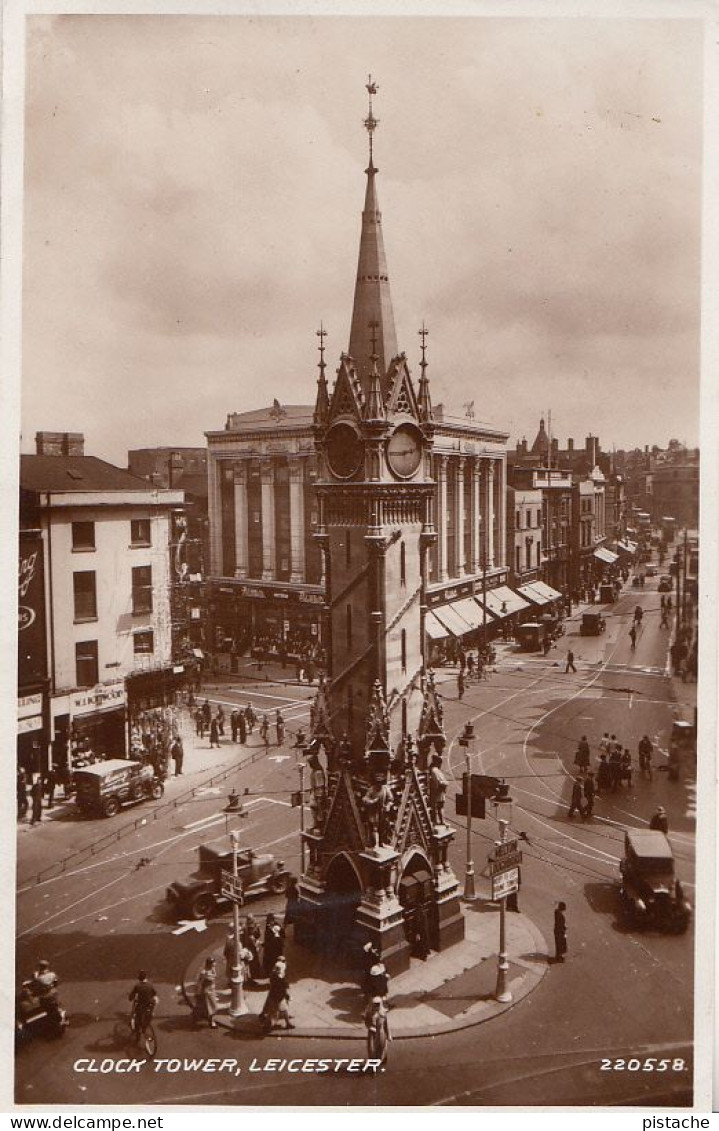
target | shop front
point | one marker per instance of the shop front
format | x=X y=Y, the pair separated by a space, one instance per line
x=506 y=606
x=268 y=622
x=455 y=619
x=89 y=724
x=32 y=733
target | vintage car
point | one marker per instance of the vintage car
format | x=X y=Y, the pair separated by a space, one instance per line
x=530 y=636
x=665 y=584
x=682 y=750
x=651 y=571
x=592 y=624
x=201 y=895
x=650 y=893
x=102 y=789
x=607 y=595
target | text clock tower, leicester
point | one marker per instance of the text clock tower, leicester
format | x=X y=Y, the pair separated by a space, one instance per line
x=378 y=867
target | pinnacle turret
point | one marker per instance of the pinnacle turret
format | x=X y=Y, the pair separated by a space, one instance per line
x=322 y=402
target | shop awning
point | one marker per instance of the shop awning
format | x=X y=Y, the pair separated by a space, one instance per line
x=627 y=547
x=547 y=590
x=451 y=619
x=605 y=555
x=532 y=594
x=472 y=612
x=503 y=602
x=433 y=628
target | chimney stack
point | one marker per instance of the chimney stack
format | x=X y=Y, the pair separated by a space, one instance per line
x=59 y=444
x=570 y=444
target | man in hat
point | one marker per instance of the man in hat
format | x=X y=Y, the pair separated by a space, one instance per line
x=577 y=805
x=589 y=792
x=560 y=932
x=659 y=821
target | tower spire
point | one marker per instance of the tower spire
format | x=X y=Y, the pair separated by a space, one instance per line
x=322 y=402
x=424 y=399
x=372 y=299
x=374 y=405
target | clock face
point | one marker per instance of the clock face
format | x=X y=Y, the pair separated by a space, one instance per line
x=404 y=450
x=344 y=450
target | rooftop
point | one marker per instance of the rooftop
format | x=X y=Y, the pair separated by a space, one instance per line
x=76 y=473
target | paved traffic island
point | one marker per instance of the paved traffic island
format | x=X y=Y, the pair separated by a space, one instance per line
x=448 y=991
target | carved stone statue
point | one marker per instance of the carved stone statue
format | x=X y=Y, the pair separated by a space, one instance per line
x=437 y=790
x=318 y=791
x=376 y=804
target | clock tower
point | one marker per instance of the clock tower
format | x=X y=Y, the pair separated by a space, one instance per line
x=378 y=868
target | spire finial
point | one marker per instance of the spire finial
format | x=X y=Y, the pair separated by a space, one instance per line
x=424 y=334
x=370 y=122
x=321 y=334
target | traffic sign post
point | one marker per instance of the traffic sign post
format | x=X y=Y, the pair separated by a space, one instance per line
x=505 y=883
x=231 y=887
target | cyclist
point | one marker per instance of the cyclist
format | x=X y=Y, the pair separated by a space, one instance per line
x=143 y=996
x=645 y=756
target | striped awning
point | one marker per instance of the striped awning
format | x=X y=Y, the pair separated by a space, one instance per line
x=433 y=628
x=471 y=611
x=532 y=594
x=452 y=620
x=503 y=602
x=606 y=555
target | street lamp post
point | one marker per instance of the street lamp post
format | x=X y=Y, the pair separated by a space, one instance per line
x=238 y=1006
x=301 y=768
x=465 y=740
x=503 y=808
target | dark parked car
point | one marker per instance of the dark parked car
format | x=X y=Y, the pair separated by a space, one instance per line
x=201 y=895
x=665 y=584
x=650 y=893
x=593 y=624
x=104 y=788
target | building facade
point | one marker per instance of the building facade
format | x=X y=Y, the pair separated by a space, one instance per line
x=524 y=535
x=105 y=539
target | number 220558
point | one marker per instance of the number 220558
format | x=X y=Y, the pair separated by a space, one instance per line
x=648 y=1064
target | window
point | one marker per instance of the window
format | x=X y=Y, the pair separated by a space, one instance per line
x=402 y=564
x=518 y=519
x=142 y=589
x=403 y=642
x=84 y=591
x=83 y=535
x=518 y=562
x=86 y=666
x=348 y=626
x=539 y=518
x=143 y=642
x=140 y=532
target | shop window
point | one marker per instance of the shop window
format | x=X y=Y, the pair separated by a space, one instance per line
x=86 y=664
x=403 y=645
x=143 y=642
x=140 y=532
x=85 y=595
x=402 y=564
x=141 y=589
x=83 y=535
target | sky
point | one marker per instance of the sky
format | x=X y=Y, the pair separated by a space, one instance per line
x=193 y=192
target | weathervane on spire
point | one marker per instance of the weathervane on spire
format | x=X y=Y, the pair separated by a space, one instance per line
x=370 y=122
x=423 y=333
x=321 y=334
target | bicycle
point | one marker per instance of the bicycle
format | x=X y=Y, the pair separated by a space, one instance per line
x=137 y=1030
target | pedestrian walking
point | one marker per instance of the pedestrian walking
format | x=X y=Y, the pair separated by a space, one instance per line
x=664 y=622
x=214 y=735
x=221 y=720
x=265 y=730
x=582 y=757
x=577 y=805
x=250 y=939
x=615 y=768
x=242 y=728
x=460 y=683
x=199 y=723
x=560 y=932
x=470 y=666
x=570 y=662
x=633 y=636
x=36 y=798
x=178 y=756
x=234 y=723
x=277 y=1002
x=626 y=768
x=206 y=997
x=22 y=802
x=378 y=1034
x=50 y=782
x=659 y=822
x=280 y=727
x=589 y=792
x=274 y=943
x=605 y=743
x=604 y=775
x=377 y=984
x=251 y=718
x=645 y=750
x=206 y=712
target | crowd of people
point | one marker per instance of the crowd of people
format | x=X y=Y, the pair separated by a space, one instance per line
x=614 y=769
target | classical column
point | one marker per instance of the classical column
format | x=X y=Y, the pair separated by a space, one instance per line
x=442 y=518
x=459 y=522
x=269 y=542
x=490 y=514
x=215 y=516
x=476 y=559
x=297 y=519
x=501 y=513
x=241 y=531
